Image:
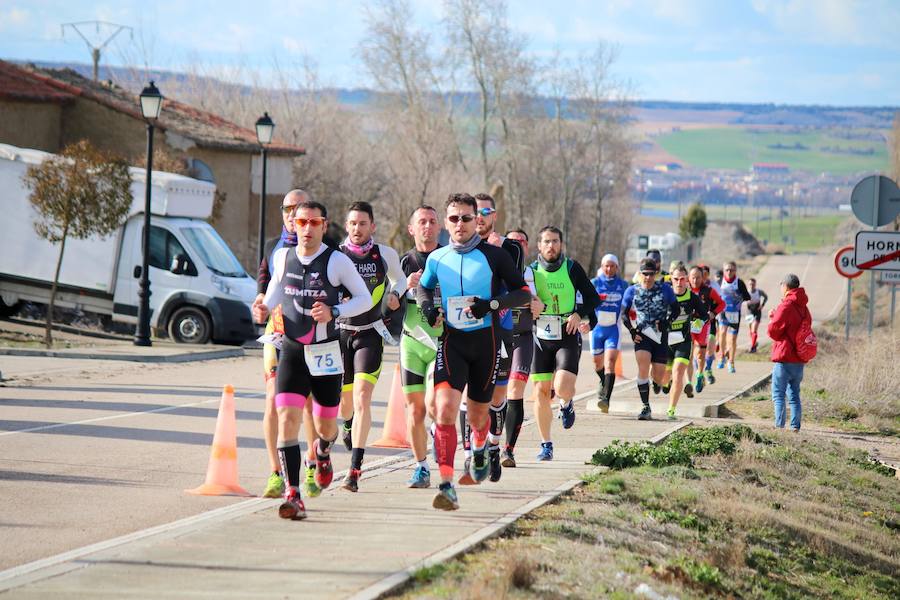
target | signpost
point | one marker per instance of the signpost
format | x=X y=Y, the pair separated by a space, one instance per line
x=845 y=265
x=892 y=278
x=876 y=201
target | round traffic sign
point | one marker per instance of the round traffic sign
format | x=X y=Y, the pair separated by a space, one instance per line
x=862 y=200
x=845 y=263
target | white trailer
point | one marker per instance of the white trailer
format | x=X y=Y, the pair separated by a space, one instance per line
x=199 y=290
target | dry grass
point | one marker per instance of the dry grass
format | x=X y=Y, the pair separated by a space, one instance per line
x=793 y=518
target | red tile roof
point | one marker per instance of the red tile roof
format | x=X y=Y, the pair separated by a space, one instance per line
x=18 y=84
x=204 y=128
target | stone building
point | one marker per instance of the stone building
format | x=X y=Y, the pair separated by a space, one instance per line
x=50 y=109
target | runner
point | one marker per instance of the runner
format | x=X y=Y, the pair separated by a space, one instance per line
x=569 y=304
x=484 y=226
x=654 y=303
x=758 y=299
x=418 y=345
x=605 y=337
x=734 y=293
x=689 y=319
x=470 y=273
x=522 y=354
x=363 y=336
x=288 y=238
x=712 y=345
x=714 y=305
x=656 y=255
x=306 y=284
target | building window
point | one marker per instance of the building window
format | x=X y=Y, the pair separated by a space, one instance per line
x=200 y=170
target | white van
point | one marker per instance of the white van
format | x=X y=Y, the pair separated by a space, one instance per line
x=198 y=289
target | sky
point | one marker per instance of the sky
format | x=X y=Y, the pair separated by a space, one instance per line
x=832 y=52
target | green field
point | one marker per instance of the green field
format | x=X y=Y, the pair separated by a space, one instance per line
x=804 y=234
x=738 y=148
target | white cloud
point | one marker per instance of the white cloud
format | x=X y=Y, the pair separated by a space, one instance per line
x=294 y=45
x=13 y=18
x=835 y=22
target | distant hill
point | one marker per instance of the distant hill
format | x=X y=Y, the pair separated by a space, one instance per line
x=812 y=116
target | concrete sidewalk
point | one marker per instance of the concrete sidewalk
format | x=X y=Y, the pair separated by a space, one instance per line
x=352 y=544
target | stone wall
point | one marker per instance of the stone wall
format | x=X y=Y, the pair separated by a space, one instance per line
x=30 y=125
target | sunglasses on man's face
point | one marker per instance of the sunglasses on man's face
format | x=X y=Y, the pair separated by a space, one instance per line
x=464 y=218
x=314 y=221
x=288 y=209
x=486 y=211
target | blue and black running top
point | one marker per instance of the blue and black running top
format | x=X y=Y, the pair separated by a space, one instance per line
x=610 y=292
x=484 y=272
x=657 y=304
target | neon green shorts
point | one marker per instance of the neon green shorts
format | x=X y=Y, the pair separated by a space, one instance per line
x=416 y=359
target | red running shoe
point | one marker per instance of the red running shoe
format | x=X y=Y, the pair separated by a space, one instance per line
x=292 y=507
x=324 y=470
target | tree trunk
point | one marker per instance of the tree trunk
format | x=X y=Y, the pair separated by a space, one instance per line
x=48 y=336
x=598 y=225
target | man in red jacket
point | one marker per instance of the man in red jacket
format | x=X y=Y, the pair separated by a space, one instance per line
x=784 y=322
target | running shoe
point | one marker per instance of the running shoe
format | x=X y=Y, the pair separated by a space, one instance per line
x=721 y=364
x=655 y=388
x=509 y=460
x=274 y=486
x=689 y=390
x=710 y=377
x=324 y=470
x=752 y=349
x=466 y=478
x=421 y=478
x=645 y=413
x=666 y=388
x=602 y=400
x=546 y=452
x=731 y=367
x=671 y=413
x=479 y=468
x=494 y=460
x=700 y=382
x=292 y=507
x=351 y=480
x=446 y=498
x=567 y=414
x=347 y=437
x=310 y=487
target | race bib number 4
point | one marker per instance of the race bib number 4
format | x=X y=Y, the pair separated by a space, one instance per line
x=324 y=359
x=548 y=327
x=606 y=318
x=459 y=317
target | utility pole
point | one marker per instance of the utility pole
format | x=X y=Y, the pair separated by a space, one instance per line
x=95 y=50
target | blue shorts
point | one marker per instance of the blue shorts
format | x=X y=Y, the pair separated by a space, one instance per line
x=604 y=338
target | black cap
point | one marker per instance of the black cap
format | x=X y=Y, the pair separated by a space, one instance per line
x=648 y=265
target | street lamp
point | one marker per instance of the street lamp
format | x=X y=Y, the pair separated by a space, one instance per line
x=151 y=103
x=264 y=128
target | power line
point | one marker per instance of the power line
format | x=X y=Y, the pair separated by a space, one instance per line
x=95 y=50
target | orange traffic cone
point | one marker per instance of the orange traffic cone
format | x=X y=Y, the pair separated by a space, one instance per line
x=619 y=365
x=222 y=474
x=394 y=433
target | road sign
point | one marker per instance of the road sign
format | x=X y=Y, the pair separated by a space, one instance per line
x=878 y=250
x=892 y=277
x=876 y=191
x=845 y=263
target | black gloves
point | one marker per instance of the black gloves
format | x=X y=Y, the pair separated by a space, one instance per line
x=480 y=307
x=431 y=314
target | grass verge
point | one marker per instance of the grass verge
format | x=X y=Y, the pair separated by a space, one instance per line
x=783 y=516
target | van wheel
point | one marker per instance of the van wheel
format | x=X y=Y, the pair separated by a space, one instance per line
x=190 y=325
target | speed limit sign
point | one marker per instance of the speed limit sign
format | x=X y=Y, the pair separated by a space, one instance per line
x=845 y=263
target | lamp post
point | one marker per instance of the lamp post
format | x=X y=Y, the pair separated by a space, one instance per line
x=151 y=103
x=264 y=128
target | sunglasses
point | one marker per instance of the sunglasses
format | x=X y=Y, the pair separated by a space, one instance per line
x=464 y=218
x=288 y=209
x=648 y=273
x=486 y=211
x=314 y=221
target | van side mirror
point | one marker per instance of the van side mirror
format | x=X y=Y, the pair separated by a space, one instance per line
x=179 y=264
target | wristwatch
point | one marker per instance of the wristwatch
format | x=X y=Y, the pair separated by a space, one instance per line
x=495 y=304
x=335 y=313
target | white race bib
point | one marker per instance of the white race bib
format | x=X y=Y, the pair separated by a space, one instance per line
x=275 y=339
x=733 y=317
x=675 y=338
x=697 y=326
x=651 y=333
x=549 y=327
x=382 y=330
x=459 y=317
x=324 y=358
x=606 y=318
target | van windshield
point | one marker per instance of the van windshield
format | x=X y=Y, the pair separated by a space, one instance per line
x=213 y=251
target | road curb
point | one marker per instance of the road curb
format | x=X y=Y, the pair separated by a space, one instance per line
x=712 y=410
x=146 y=358
x=397 y=580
